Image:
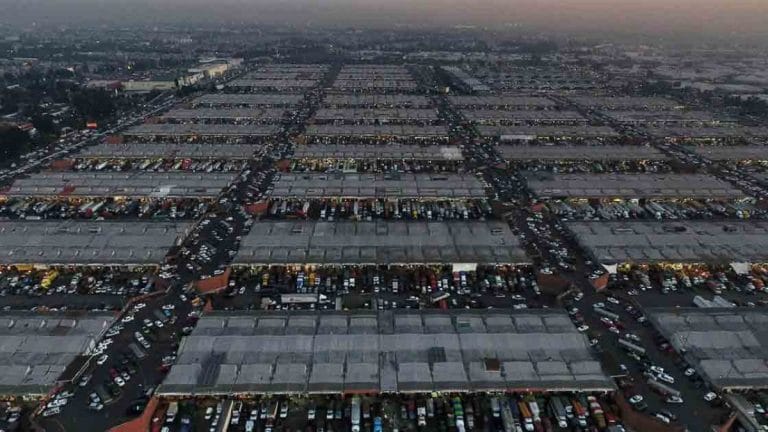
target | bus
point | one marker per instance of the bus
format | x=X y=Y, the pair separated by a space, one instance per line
x=631 y=347
x=606 y=313
x=662 y=388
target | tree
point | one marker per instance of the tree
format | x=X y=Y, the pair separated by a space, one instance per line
x=93 y=104
x=13 y=142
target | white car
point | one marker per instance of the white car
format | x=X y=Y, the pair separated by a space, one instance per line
x=583 y=328
x=657 y=369
x=636 y=399
x=169 y=307
x=101 y=360
x=666 y=378
x=119 y=381
x=127 y=318
x=709 y=397
x=674 y=399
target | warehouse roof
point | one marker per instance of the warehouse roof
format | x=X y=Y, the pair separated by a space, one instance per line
x=665 y=117
x=380 y=243
x=546 y=184
x=87 y=243
x=683 y=241
x=273 y=83
x=201 y=129
x=225 y=113
x=732 y=153
x=502 y=101
x=393 y=151
x=257 y=99
x=375 y=114
x=35 y=350
x=531 y=132
x=378 y=186
x=729 y=347
x=125 y=184
x=624 y=102
x=725 y=132
x=523 y=115
x=377 y=130
x=402 y=351
x=580 y=152
x=289 y=67
x=375 y=100
x=169 y=151
x=374 y=83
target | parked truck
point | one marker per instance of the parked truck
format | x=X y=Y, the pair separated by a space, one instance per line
x=355 y=414
x=580 y=413
x=558 y=412
x=598 y=415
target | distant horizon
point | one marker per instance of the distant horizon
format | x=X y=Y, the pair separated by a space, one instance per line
x=710 y=18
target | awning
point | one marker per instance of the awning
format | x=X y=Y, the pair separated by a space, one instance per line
x=741 y=267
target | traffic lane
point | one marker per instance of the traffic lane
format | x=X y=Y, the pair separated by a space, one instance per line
x=692 y=397
x=76 y=415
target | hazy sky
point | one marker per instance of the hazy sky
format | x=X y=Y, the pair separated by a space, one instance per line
x=643 y=16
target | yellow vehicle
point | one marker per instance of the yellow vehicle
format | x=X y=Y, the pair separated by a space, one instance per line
x=49 y=278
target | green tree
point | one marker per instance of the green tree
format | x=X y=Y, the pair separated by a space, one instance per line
x=13 y=142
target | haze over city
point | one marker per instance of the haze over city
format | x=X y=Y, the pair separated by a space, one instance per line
x=705 y=17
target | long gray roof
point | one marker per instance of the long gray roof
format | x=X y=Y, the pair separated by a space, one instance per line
x=306 y=242
x=624 y=102
x=547 y=131
x=87 y=243
x=402 y=351
x=167 y=129
x=35 y=350
x=542 y=116
x=378 y=186
x=225 y=113
x=502 y=101
x=256 y=99
x=546 y=184
x=392 y=151
x=377 y=130
x=580 y=152
x=274 y=82
x=169 y=151
x=402 y=114
x=697 y=132
x=372 y=100
x=732 y=153
x=659 y=117
x=729 y=347
x=683 y=241
x=125 y=184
